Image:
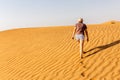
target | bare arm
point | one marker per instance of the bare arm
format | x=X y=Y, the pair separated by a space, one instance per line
x=74 y=31
x=86 y=32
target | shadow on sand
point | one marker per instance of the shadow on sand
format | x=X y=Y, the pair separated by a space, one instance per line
x=103 y=47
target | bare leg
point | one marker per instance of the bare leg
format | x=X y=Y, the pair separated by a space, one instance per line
x=81 y=48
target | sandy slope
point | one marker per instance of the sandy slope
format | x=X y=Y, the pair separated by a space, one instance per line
x=51 y=54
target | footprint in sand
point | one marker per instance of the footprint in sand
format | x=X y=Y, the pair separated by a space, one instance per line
x=81 y=62
x=84 y=66
x=83 y=74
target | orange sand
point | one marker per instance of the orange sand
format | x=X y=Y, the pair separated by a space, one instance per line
x=50 y=54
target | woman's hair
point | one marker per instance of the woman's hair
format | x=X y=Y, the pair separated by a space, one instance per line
x=80 y=20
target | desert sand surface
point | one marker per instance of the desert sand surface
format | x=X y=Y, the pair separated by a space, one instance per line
x=50 y=54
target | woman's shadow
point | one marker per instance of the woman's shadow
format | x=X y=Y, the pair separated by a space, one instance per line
x=103 y=47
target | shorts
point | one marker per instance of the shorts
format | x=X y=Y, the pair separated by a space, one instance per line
x=79 y=37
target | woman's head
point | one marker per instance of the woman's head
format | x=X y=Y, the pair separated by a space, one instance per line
x=80 y=20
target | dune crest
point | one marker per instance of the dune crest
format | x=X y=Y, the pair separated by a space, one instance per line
x=112 y=22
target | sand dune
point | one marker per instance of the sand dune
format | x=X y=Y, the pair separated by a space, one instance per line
x=51 y=54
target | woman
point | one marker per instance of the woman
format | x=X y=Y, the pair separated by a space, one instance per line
x=78 y=32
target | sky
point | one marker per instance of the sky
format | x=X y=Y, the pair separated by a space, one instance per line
x=41 y=13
